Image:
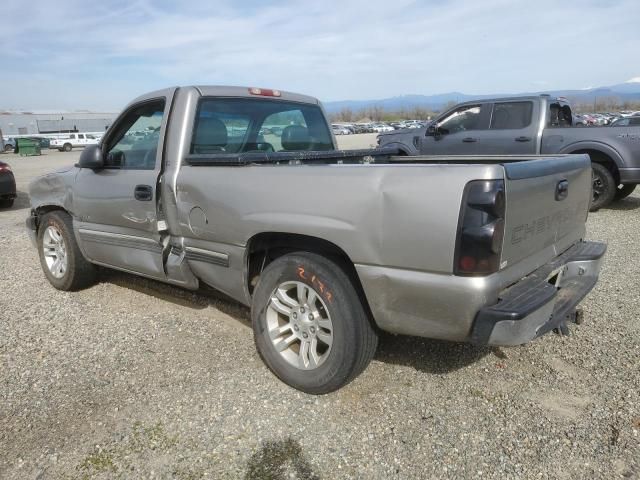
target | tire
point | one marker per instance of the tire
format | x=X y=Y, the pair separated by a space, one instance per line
x=67 y=147
x=60 y=150
x=8 y=148
x=623 y=191
x=55 y=234
x=604 y=187
x=336 y=316
x=6 y=202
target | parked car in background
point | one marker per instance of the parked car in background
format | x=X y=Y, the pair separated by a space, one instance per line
x=359 y=128
x=7 y=186
x=340 y=130
x=626 y=121
x=9 y=144
x=580 y=121
x=73 y=140
x=537 y=124
x=381 y=128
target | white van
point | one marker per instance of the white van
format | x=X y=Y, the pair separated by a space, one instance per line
x=73 y=140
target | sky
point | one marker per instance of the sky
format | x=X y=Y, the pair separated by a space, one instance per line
x=72 y=54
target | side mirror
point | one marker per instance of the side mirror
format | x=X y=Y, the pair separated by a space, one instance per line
x=91 y=157
x=432 y=130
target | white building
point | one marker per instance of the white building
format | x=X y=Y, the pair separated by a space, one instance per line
x=31 y=123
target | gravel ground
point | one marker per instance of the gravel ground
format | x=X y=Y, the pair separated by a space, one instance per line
x=135 y=379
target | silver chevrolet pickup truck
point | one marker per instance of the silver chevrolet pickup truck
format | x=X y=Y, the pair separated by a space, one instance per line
x=243 y=189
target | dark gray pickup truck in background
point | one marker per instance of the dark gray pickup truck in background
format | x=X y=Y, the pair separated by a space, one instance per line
x=526 y=126
x=243 y=189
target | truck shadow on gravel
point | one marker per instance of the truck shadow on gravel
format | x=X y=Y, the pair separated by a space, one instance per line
x=629 y=203
x=428 y=355
x=423 y=354
x=201 y=299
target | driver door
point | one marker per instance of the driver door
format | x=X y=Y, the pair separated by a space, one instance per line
x=116 y=207
x=457 y=131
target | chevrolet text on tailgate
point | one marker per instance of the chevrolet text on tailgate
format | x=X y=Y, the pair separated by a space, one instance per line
x=244 y=190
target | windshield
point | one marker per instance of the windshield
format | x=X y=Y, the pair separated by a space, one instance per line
x=234 y=125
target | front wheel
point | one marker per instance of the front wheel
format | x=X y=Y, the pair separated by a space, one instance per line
x=604 y=187
x=60 y=257
x=67 y=147
x=623 y=191
x=310 y=326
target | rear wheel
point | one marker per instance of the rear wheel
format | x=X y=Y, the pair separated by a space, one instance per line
x=624 y=191
x=604 y=187
x=8 y=148
x=60 y=257
x=309 y=323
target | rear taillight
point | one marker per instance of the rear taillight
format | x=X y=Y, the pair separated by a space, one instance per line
x=5 y=168
x=480 y=228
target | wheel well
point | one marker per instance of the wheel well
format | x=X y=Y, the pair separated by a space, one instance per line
x=603 y=159
x=44 y=209
x=264 y=248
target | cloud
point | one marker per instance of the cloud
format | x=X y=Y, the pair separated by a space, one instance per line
x=74 y=55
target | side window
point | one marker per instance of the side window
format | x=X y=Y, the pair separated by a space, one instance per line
x=511 y=115
x=80 y=136
x=134 y=144
x=72 y=137
x=461 y=119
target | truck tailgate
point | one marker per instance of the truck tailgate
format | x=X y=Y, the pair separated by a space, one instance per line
x=547 y=204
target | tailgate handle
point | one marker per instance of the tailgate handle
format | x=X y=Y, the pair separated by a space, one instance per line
x=562 y=190
x=469 y=140
x=143 y=193
x=523 y=139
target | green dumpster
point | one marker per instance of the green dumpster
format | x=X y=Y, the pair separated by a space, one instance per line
x=28 y=146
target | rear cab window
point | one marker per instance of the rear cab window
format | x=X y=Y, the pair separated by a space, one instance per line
x=559 y=115
x=237 y=125
x=511 y=115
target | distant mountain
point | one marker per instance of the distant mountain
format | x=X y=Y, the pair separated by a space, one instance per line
x=627 y=91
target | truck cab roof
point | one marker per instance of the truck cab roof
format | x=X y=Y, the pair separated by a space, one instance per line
x=233 y=91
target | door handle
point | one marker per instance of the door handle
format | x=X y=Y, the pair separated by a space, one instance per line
x=523 y=139
x=469 y=140
x=144 y=193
